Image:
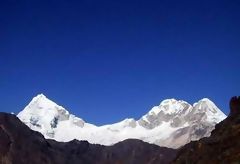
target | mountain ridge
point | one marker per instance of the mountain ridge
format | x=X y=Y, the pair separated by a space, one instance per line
x=221 y=147
x=173 y=117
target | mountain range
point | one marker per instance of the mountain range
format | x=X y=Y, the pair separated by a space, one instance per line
x=21 y=145
x=171 y=124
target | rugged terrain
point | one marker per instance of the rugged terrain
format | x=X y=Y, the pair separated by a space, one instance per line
x=171 y=124
x=222 y=147
x=21 y=145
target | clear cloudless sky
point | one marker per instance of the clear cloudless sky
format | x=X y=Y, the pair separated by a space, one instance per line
x=108 y=60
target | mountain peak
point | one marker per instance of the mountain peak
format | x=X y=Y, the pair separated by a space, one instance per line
x=206 y=100
x=42 y=100
x=40 y=104
x=170 y=106
x=44 y=114
x=41 y=95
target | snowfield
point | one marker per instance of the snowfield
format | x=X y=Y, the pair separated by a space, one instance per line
x=171 y=124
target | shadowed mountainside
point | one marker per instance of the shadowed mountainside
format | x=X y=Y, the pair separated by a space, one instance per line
x=223 y=146
x=20 y=145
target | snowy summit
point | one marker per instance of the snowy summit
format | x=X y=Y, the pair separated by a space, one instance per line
x=171 y=124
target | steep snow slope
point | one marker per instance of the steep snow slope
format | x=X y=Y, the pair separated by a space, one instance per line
x=172 y=124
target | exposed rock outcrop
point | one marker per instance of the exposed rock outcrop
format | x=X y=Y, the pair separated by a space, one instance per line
x=235 y=106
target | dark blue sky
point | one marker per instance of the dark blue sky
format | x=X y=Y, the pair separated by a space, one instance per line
x=107 y=60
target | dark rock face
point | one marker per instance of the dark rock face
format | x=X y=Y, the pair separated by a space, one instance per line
x=234 y=106
x=223 y=146
x=20 y=145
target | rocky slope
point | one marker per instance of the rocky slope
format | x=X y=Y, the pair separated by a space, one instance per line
x=223 y=146
x=21 y=145
x=171 y=124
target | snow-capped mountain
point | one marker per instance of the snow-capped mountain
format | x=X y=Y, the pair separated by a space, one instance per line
x=171 y=124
